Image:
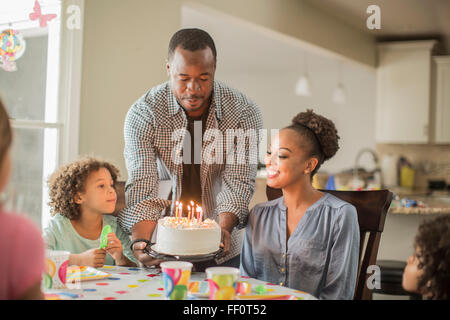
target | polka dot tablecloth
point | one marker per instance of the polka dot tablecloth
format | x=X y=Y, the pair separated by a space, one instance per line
x=125 y=283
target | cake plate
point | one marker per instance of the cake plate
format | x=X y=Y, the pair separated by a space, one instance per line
x=190 y=258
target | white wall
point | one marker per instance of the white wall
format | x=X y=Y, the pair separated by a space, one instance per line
x=274 y=93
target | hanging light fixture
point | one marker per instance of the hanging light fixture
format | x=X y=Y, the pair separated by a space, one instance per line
x=339 y=93
x=303 y=87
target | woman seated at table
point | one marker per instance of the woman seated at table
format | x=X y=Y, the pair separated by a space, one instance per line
x=306 y=240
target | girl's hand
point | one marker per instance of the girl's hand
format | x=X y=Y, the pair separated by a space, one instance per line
x=92 y=258
x=114 y=247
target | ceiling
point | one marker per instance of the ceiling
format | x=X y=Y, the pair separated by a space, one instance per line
x=247 y=47
x=400 y=19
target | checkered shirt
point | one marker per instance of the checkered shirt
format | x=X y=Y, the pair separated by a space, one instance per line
x=149 y=149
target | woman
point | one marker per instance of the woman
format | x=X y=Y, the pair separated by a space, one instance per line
x=306 y=240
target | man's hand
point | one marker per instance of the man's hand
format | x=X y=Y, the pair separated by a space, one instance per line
x=225 y=242
x=227 y=221
x=144 y=258
x=143 y=230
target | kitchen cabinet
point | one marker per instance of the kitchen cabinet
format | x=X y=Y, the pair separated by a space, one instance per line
x=404 y=92
x=441 y=100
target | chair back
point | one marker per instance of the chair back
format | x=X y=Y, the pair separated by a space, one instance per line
x=371 y=207
x=120 y=190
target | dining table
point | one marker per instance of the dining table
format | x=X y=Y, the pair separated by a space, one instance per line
x=134 y=283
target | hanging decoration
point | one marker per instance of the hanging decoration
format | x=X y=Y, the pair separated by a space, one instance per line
x=43 y=18
x=12 y=47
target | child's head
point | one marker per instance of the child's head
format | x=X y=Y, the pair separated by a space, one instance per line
x=428 y=270
x=86 y=183
x=5 y=144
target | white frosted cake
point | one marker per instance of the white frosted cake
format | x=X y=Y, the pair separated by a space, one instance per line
x=187 y=237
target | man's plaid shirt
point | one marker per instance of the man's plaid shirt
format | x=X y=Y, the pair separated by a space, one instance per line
x=149 y=148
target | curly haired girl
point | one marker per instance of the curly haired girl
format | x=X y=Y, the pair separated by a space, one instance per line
x=82 y=199
x=306 y=240
x=428 y=271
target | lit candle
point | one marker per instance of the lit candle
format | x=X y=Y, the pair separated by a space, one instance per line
x=180 y=211
x=189 y=212
x=176 y=209
x=200 y=215
x=192 y=213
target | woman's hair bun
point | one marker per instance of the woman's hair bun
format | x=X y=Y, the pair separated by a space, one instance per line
x=323 y=128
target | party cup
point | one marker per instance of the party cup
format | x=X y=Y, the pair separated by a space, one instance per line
x=55 y=269
x=243 y=287
x=222 y=282
x=176 y=276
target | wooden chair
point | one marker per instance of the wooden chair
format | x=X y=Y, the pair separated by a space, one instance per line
x=371 y=207
x=120 y=190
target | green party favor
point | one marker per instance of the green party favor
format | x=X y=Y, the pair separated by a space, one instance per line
x=104 y=236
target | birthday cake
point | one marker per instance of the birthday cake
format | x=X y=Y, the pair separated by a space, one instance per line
x=186 y=237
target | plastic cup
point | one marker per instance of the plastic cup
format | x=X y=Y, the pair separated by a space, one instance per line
x=222 y=282
x=243 y=287
x=176 y=276
x=55 y=269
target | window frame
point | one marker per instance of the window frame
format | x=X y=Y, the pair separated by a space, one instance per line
x=63 y=91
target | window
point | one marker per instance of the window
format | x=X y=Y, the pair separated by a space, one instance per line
x=43 y=119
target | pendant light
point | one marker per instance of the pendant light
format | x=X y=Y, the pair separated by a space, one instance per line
x=303 y=87
x=339 y=93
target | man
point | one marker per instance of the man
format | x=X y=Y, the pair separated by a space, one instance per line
x=190 y=100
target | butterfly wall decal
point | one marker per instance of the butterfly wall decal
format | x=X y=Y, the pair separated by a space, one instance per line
x=43 y=18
